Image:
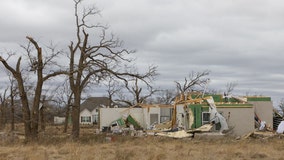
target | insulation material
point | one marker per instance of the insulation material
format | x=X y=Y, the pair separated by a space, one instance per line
x=190 y=118
x=205 y=128
x=177 y=134
x=280 y=128
x=163 y=126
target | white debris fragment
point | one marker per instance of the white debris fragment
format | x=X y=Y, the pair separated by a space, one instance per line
x=177 y=134
x=280 y=128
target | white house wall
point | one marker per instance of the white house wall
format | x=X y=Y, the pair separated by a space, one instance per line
x=239 y=119
x=108 y=115
x=141 y=115
x=264 y=110
x=147 y=112
x=180 y=114
x=85 y=113
x=96 y=114
x=59 y=120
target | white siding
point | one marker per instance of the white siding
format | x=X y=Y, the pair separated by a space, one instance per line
x=85 y=113
x=59 y=120
x=264 y=110
x=95 y=116
x=141 y=115
x=240 y=119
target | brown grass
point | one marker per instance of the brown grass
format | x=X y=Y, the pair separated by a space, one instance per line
x=53 y=145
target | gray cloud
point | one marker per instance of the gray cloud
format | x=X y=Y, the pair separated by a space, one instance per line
x=238 y=41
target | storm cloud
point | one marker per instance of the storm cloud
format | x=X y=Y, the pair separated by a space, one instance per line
x=238 y=41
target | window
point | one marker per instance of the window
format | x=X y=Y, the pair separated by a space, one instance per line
x=95 y=119
x=164 y=119
x=154 y=118
x=205 y=118
x=85 y=119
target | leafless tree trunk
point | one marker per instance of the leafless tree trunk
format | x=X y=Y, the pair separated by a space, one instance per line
x=4 y=101
x=12 y=113
x=31 y=117
x=38 y=90
x=41 y=114
x=2 y=115
x=94 y=61
x=64 y=98
x=13 y=93
x=67 y=113
x=24 y=99
x=42 y=119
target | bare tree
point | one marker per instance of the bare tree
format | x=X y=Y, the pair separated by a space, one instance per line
x=136 y=95
x=113 y=88
x=281 y=107
x=41 y=113
x=230 y=87
x=166 y=96
x=64 y=98
x=194 y=82
x=13 y=94
x=92 y=58
x=67 y=112
x=31 y=114
x=3 y=108
x=42 y=110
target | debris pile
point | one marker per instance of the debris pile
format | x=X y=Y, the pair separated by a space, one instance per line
x=192 y=115
x=123 y=125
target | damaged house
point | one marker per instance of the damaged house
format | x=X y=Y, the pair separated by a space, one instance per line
x=241 y=114
x=141 y=117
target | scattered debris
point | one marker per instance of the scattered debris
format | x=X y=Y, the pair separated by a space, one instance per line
x=127 y=124
x=262 y=126
x=177 y=134
x=204 y=128
x=165 y=126
x=261 y=134
x=189 y=115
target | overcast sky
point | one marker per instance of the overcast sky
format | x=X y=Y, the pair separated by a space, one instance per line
x=239 y=41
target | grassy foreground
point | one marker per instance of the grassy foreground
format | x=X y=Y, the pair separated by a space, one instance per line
x=53 y=145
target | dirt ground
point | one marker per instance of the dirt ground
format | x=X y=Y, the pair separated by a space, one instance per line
x=54 y=145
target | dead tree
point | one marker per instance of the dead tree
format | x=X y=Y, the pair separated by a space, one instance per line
x=137 y=96
x=31 y=114
x=230 y=87
x=13 y=94
x=67 y=112
x=91 y=61
x=194 y=82
x=12 y=111
x=64 y=98
x=24 y=99
x=3 y=109
x=166 y=96
x=113 y=88
x=41 y=113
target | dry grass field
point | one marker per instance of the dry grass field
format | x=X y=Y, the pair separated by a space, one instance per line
x=54 y=145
